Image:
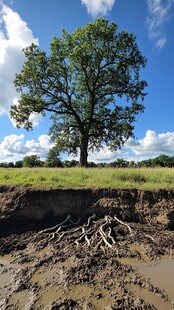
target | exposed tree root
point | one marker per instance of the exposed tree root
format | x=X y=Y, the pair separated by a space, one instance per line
x=96 y=232
x=150 y=237
x=121 y=222
x=56 y=227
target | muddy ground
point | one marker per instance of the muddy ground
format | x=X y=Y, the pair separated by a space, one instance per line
x=86 y=249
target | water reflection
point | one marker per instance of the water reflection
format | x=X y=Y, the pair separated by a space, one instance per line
x=161 y=274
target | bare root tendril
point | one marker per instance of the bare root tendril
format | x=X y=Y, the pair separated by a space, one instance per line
x=121 y=222
x=95 y=232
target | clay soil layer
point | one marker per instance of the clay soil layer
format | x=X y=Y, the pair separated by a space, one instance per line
x=85 y=249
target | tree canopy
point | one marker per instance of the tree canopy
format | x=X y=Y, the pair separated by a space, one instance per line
x=81 y=83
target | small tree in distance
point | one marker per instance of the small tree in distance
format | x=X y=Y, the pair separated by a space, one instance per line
x=53 y=158
x=31 y=161
x=81 y=83
x=19 y=164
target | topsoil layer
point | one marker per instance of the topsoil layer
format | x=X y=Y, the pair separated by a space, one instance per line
x=80 y=249
x=23 y=208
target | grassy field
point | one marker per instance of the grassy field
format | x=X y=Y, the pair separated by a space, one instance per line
x=141 y=178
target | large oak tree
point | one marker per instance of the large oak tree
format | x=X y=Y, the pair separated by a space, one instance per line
x=81 y=83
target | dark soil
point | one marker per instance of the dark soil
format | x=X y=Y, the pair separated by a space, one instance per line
x=89 y=260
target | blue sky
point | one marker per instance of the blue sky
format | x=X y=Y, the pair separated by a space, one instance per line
x=152 y=21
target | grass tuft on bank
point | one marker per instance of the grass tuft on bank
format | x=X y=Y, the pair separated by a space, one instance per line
x=140 y=178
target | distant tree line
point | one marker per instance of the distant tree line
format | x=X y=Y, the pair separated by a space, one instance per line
x=53 y=160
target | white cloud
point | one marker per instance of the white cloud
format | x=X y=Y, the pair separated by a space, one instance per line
x=14 y=147
x=161 y=42
x=98 y=7
x=11 y=144
x=35 y=119
x=159 y=12
x=105 y=155
x=14 y=36
x=39 y=148
x=152 y=143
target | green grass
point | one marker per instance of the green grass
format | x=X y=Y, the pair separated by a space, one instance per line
x=142 y=178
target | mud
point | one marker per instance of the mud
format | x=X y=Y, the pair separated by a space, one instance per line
x=73 y=265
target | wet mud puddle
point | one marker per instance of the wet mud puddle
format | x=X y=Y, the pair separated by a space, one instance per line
x=24 y=283
x=45 y=284
x=159 y=273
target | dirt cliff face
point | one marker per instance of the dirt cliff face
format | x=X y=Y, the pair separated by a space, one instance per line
x=23 y=208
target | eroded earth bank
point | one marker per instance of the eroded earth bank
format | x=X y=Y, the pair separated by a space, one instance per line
x=86 y=249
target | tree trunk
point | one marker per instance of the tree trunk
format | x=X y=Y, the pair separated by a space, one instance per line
x=84 y=151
